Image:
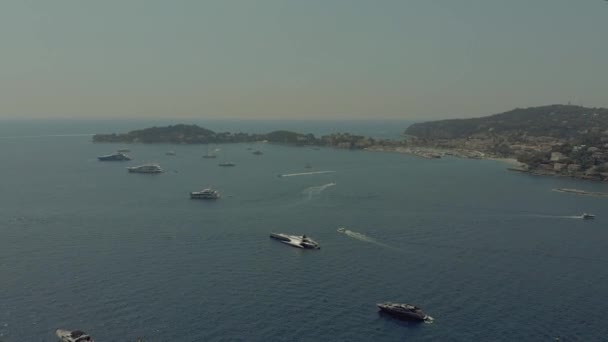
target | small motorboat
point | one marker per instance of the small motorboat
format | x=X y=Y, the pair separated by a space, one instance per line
x=205 y=194
x=586 y=216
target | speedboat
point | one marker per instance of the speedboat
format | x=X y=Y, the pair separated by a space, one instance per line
x=171 y=153
x=341 y=230
x=226 y=164
x=299 y=241
x=586 y=216
x=205 y=194
x=73 y=336
x=146 y=168
x=118 y=156
x=404 y=311
x=257 y=152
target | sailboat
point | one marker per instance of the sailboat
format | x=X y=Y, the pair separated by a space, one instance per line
x=209 y=155
x=225 y=163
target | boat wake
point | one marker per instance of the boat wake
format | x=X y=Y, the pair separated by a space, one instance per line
x=574 y=217
x=429 y=320
x=316 y=190
x=305 y=173
x=364 y=238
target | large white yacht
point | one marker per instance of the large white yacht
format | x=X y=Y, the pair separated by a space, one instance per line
x=73 y=336
x=146 y=168
x=205 y=194
x=299 y=241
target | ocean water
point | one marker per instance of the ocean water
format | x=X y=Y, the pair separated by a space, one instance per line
x=490 y=254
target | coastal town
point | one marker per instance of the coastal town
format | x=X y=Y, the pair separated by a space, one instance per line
x=557 y=140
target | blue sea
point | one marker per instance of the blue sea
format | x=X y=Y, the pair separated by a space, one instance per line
x=492 y=255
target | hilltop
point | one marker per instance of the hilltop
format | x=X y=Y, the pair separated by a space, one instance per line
x=558 y=121
x=556 y=140
x=193 y=134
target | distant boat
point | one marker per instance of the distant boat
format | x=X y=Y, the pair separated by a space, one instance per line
x=205 y=194
x=73 y=336
x=308 y=166
x=146 y=168
x=586 y=216
x=119 y=156
x=225 y=163
x=171 y=153
x=257 y=152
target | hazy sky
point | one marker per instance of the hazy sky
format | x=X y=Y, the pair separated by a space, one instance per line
x=411 y=59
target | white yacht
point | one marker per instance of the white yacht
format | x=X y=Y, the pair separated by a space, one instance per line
x=146 y=168
x=205 y=194
x=299 y=241
x=73 y=336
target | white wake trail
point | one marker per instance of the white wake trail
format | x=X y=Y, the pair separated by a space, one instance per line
x=316 y=190
x=305 y=173
x=575 y=217
x=364 y=238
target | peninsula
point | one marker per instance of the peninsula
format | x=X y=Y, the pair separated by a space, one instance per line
x=557 y=140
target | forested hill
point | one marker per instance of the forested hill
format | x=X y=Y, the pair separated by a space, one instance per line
x=193 y=134
x=558 y=121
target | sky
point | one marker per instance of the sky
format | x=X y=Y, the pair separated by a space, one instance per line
x=304 y=59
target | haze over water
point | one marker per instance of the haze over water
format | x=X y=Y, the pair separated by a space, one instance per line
x=490 y=254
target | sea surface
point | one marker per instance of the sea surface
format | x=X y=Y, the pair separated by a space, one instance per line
x=492 y=255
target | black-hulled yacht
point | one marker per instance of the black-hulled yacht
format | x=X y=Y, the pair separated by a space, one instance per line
x=404 y=311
